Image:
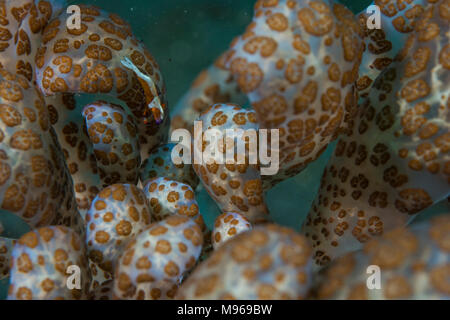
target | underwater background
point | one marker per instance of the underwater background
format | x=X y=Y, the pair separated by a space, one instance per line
x=185 y=37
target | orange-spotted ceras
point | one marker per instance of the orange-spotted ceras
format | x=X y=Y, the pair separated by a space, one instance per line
x=21 y=26
x=268 y=262
x=383 y=42
x=169 y=197
x=394 y=161
x=153 y=264
x=34 y=181
x=414 y=264
x=228 y=225
x=22 y=23
x=98 y=58
x=116 y=216
x=6 y=246
x=101 y=57
x=234 y=184
x=297 y=63
x=114 y=137
x=41 y=262
x=160 y=164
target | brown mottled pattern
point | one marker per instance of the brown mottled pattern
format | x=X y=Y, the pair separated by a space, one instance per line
x=168 y=197
x=297 y=62
x=228 y=225
x=160 y=164
x=235 y=187
x=414 y=264
x=398 y=19
x=34 y=181
x=268 y=262
x=117 y=214
x=394 y=161
x=154 y=263
x=90 y=62
x=6 y=245
x=114 y=137
x=40 y=260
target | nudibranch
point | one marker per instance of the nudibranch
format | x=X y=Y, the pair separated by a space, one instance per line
x=228 y=225
x=153 y=264
x=213 y=85
x=234 y=184
x=160 y=164
x=297 y=63
x=117 y=215
x=394 y=162
x=169 y=197
x=382 y=43
x=35 y=184
x=268 y=262
x=414 y=264
x=42 y=262
x=101 y=57
x=115 y=142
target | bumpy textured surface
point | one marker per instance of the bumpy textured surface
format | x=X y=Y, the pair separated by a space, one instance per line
x=117 y=215
x=66 y=118
x=228 y=225
x=90 y=60
x=213 y=85
x=153 y=264
x=397 y=19
x=297 y=63
x=22 y=23
x=236 y=187
x=6 y=245
x=269 y=262
x=414 y=264
x=99 y=277
x=34 y=181
x=25 y=20
x=114 y=137
x=103 y=291
x=160 y=164
x=40 y=260
x=169 y=197
x=394 y=161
